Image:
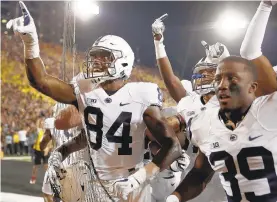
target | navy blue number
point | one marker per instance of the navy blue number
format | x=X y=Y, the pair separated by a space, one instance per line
x=125 y=119
x=267 y=172
x=160 y=95
x=95 y=127
x=125 y=140
x=230 y=175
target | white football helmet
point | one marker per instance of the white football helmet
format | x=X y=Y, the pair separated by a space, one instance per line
x=118 y=59
x=204 y=71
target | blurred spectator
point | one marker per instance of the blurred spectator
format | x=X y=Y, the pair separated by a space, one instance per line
x=22 y=139
x=31 y=141
x=39 y=156
x=9 y=141
x=16 y=143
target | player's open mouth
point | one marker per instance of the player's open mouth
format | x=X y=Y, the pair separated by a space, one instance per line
x=224 y=98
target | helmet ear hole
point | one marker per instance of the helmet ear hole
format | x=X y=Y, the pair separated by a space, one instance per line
x=124 y=64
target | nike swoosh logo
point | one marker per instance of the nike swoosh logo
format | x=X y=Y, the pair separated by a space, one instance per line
x=121 y=104
x=172 y=184
x=253 y=138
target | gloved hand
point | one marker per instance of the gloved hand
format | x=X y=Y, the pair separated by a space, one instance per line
x=181 y=164
x=123 y=187
x=24 y=26
x=158 y=28
x=217 y=50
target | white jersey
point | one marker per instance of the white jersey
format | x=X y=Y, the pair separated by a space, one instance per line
x=114 y=125
x=245 y=158
x=191 y=105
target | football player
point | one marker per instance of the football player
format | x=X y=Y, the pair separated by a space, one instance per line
x=237 y=139
x=166 y=181
x=200 y=80
x=114 y=114
x=58 y=137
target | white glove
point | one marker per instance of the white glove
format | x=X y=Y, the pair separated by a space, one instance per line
x=55 y=172
x=123 y=187
x=172 y=198
x=181 y=164
x=24 y=26
x=158 y=26
x=217 y=50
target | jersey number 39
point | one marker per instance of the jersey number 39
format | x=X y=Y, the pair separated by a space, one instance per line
x=124 y=118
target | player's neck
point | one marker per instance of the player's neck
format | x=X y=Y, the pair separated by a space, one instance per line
x=205 y=98
x=237 y=115
x=113 y=85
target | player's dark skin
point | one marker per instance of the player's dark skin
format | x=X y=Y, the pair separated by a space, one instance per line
x=235 y=89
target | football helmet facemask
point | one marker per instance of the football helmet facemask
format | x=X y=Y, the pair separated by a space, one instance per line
x=204 y=71
x=109 y=58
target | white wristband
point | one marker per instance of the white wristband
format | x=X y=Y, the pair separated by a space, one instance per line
x=159 y=49
x=172 y=198
x=31 y=51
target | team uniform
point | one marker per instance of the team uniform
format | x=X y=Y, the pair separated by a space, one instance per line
x=189 y=107
x=244 y=157
x=193 y=104
x=115 y=130
x=59 y=137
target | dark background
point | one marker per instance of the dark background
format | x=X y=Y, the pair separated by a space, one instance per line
x=188 y=23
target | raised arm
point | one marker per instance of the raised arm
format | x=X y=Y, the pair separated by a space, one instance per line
x=251 y=49
x=172 y=82
x=24 y=26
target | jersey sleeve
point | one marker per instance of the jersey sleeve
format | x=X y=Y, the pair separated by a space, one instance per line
x=264 y=109
x=185 y=108
x=151 y=94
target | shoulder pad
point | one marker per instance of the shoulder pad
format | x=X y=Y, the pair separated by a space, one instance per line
x=146 y=93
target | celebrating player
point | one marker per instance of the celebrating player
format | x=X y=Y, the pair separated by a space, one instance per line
x=115 y=114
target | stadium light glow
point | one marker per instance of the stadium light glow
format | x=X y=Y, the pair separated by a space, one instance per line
x=85 y=9
x=231 y=23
